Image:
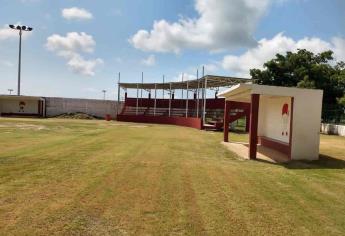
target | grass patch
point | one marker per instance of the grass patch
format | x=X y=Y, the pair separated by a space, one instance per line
x=96 y=178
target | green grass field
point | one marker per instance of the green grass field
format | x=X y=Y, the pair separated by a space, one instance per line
x=71 y=177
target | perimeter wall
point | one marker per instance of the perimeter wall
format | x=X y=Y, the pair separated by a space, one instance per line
x=99 y=108
x=333 y=129
x=8 y=106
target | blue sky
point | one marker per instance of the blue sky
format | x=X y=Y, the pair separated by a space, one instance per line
x=77 y=47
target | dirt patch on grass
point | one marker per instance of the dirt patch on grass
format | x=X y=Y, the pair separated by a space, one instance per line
x=24 y=126
x=138 y=126
x=77 y=115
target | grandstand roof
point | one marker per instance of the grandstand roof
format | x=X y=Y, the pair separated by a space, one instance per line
x=213 y=81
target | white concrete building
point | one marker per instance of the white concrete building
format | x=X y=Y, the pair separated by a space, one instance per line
x=29 y=106
x=282 y=118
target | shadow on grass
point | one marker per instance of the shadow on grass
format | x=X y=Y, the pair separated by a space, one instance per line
x=324 y=162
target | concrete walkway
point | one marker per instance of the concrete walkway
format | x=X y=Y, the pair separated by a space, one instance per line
x=263 y=153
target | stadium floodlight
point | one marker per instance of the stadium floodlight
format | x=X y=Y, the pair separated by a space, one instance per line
x=104 y=91
x=20 y=28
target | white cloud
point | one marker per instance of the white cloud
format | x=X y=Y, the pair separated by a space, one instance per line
x=149 y=61
x=221 y=25
x=73 y=41
x=268 y=48
x=70 y=47
x=81 y=66
x=7 y=33
x=339 y=48
x=186 y=77
x=75 y=13
x=209 y=68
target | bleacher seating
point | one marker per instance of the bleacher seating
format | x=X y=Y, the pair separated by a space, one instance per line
x=150 y=111
x=214 y=110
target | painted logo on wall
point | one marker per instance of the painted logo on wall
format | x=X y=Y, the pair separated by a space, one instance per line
x=21 y=106
x=285 y=119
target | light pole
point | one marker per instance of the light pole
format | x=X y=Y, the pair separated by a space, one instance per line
x=104 y=91
x=20 y=28
x=10 y=90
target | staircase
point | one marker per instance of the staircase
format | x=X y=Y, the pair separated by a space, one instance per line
x=239 y=111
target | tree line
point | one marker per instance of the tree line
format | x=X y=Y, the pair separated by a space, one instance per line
x=304 y=69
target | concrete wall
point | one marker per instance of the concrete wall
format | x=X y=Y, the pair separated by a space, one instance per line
x=99 y=108
x=12 y=106
x=272 y=123
x=333 y=129
x=306 y=124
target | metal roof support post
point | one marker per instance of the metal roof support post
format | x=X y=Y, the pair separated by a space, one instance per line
x=205 y=95
x=187 y=100
x=197 y=92
x=170 y=101
x=205 y=99
x=201 y=99
x=155 y=103
x=118 y=95
x=136 y=109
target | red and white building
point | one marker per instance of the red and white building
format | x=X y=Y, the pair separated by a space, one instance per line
x=283 y=119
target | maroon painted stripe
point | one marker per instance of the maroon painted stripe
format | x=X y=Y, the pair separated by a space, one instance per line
x=274 y=144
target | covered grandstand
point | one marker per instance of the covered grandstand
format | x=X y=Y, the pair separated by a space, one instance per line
x=195 y=108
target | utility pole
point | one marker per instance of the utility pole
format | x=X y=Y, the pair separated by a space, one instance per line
x=20 y=29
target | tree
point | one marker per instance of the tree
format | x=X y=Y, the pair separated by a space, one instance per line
x=305 y=69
